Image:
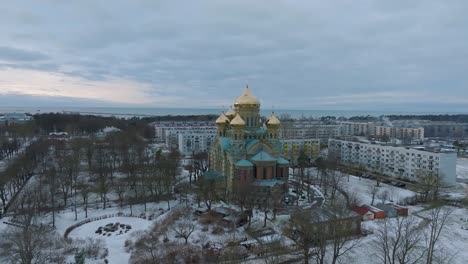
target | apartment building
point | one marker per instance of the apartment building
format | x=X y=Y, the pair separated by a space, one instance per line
x=195 y=141
x=403 y=133
x=303 y=130
x=446 y=130
x=292 y=149
x=399 y=162
x=161 y=128
x=349 y=128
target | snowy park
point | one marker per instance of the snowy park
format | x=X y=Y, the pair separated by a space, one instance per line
x=113 y=241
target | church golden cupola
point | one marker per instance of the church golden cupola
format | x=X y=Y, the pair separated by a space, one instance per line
x=273 y=125
x=222 y=124
x=230 y=113
x=248 y=107
x=237 y=128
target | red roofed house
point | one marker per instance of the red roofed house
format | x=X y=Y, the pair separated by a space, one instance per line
x=364 y=212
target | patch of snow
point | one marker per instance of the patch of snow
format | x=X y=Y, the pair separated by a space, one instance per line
x=115 y=243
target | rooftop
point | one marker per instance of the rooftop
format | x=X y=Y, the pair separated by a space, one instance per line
x=263 y=156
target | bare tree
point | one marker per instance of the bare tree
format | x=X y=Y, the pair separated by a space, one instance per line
x=28 y=244
x=438 y=218
x=383 y=195
x=208 y=192
x=276 y=197
x=373 y=192
x=399 y=241
x=242 y=192
x=184 y=227
x=342 y=233
x=429 y=185
x=274 y=253
x=84 y=189
x=306 y=235
x=149 y=243
x=120 y=189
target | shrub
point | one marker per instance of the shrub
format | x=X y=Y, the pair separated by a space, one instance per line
x=217 y=230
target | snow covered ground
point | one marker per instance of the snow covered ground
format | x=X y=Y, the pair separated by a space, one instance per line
x=360 y=188
x=462 y=168
x=454 y=239
x=115 y=243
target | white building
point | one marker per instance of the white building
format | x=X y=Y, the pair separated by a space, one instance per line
x=349 y=128
x=312 y=130
x=15 y=117
x=403 y=133
x=399 y=162
x=195 y=141
x=161 y=127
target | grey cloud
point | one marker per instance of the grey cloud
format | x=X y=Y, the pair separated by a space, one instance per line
x=287 y=51
x=14 y=54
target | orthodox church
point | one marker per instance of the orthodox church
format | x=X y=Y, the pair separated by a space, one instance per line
x=247 y=149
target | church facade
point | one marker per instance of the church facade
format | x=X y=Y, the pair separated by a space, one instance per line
x=246 y=149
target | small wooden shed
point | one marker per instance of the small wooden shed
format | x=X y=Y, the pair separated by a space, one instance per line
x=378 y=213
x=364 y=212
x=401 y=210
x=389 y=210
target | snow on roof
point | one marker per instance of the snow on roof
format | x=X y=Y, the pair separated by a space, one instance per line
x=58 y=134
x=385 y=207
x=110 y=129
x=224 y=210
x=373 y=209
x=268 y=183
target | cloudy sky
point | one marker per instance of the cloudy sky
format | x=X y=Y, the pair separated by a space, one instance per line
x=354 y=54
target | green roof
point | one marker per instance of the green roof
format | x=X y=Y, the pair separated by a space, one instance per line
x=268 y=183
x=251 y=143
x=282 y=161
x=263 y=156
x=212 y=175
x=225 y=143
x=244 y=163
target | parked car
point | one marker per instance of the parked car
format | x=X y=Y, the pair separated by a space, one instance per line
x=401 y=185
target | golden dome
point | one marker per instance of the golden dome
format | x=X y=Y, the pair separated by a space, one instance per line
x=247 y=98
x=222 y=119
x=273 y=120
x=237 y=121
x=230 y=113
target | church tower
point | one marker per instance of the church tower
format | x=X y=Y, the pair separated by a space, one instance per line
x=247 y=150
x=222 y=124
x=273 y=132
x=248 y=107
